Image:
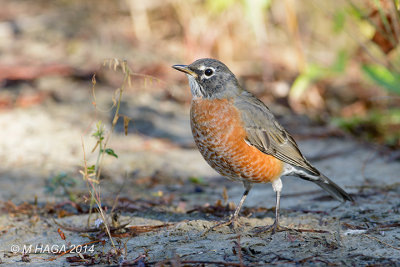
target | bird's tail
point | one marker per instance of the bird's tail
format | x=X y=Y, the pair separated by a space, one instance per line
x=324 y=182
x=336 y=191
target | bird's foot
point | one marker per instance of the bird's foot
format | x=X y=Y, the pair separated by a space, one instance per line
x=233 y=223
x=275 y=227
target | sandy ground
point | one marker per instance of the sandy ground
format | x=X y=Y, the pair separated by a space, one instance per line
x=159 y=178
x=163 y=178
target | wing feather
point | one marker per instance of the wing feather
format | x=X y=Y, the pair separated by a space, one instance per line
x=267 y=135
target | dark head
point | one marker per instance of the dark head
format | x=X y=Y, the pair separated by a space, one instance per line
x=210 y=78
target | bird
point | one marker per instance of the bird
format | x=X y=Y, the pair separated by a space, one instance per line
x=240 y=138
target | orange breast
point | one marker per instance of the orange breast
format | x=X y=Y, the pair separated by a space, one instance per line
x=219 y=134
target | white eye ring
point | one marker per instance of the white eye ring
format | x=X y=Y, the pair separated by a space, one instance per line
x=208 y=72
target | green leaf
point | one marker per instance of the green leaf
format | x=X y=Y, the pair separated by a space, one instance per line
x=91 y=169
x=382 y=76
x=355 y=12
x=339 y=21
x=197 y=180
x=304 y=80
x=339 y=65
x=315 y=72
x=111 y=152
x=99 y=135
x=218 y=6
x=100 y=131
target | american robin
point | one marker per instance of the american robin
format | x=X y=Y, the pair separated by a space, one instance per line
x=240 y=138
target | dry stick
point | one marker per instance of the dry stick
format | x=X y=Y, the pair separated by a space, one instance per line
x=138 y=258
x=380 y=241
x=85 y=167
x=239 y=250
x=374 y=238
x=87 y=178
x=127 y=73
x=98 y=201
x=130 y=229
x=100 y=156
x=95 y=195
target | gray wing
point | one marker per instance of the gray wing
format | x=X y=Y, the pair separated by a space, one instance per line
x=267 y=135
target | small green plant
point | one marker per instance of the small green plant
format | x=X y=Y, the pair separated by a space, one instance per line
x=91 y=173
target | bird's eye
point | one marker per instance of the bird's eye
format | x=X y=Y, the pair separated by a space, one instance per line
x=208 y=72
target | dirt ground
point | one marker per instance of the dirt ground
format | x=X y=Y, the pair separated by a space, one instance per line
x=162 y=181
x=161 y=193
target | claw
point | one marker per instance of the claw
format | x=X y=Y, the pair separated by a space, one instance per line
x=233 y=220
x=275 y=227
x=232 y=223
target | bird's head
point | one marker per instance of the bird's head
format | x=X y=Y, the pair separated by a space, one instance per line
x=210 y=78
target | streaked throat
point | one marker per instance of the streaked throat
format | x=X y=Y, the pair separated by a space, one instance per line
x=195 y=87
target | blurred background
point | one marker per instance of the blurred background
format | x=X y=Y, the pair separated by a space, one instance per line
x=329 y=70
x=335 y=64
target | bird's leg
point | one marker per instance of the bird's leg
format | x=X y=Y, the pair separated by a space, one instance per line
x=234 y=217
x=275 y=227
